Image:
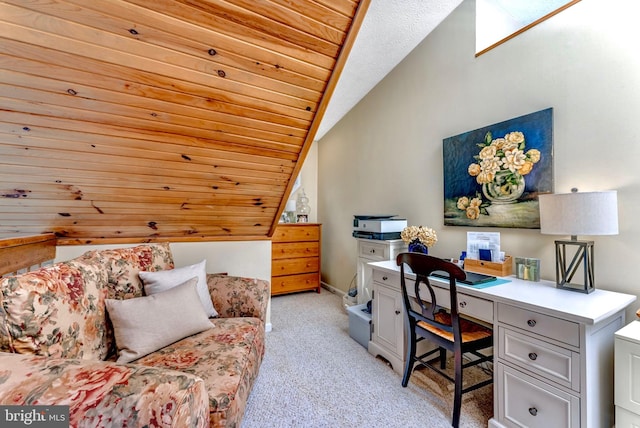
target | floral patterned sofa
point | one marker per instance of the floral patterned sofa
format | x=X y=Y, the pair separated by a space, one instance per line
x=57 y=345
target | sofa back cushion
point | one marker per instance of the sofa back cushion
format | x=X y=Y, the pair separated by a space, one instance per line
x=124 y=264
x=123 y=282
x=56 y=311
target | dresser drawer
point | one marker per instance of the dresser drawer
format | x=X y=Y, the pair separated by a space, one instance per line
x=527 y=402
x=373 y=251
x=298 y=232
x=293 y=266
x=291 y=283
x=552 y=362
x=295 y=249
x=544 y=325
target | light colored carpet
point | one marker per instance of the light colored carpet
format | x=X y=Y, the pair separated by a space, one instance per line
x=315 y=375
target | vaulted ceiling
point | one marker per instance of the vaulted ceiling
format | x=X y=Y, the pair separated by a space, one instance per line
x=143 y=120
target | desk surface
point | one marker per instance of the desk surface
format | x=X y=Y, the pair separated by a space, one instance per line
x=543 y=297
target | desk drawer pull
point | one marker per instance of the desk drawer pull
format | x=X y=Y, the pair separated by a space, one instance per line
x=384 y=278
x=397 y=312
x=533 y=356
x=533 y=411
x=531 y=323
x=462 y=304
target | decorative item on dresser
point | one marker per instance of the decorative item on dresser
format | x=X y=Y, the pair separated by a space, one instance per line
x=295 y=258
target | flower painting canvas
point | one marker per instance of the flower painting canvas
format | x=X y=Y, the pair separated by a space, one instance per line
x=493 y=175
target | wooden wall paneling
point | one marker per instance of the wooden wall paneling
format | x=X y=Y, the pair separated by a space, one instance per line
x=188 y=121
x=38 y=61
x=136 y=105
x=108 y=134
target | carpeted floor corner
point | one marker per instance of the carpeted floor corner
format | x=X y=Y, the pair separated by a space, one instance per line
x=315 y=375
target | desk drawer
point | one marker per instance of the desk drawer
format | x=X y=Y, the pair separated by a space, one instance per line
x=373 y=251
x=470 y=306
x=527 y=402
x=544 y=325
x=467 y=305
x=552 y=362
x=387 y=278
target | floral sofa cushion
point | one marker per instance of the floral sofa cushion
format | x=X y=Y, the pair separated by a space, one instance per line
x=227 y=358
x=124 y=264
x=55 y=311
x=235 y=296
x=104 y=394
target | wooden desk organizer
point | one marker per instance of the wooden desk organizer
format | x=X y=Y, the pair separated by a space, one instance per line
x=490 y=268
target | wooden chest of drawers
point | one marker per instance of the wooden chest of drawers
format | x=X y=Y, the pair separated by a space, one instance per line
x=295 y=258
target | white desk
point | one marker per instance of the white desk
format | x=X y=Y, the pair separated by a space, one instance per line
x=553 y=348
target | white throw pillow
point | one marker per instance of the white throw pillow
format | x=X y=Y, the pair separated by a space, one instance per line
x=162 y=280
x=143 y=325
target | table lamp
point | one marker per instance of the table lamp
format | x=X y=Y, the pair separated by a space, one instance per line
x=577 y=213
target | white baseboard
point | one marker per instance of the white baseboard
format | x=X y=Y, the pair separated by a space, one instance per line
x=332 y=289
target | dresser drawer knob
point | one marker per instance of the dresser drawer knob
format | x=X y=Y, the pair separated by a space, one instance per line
x=531 y=323
x=533 y=411
x=397 y=312
x=462 y=304
x=533 y=356
x=372 y=251
x=384 y=278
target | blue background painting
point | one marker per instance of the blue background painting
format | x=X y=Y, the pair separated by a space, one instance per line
x=458 y=153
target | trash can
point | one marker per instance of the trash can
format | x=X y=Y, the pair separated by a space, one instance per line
x=360 y=324
x=348 y=301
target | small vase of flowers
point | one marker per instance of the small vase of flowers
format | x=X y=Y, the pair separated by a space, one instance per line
x=419 y=238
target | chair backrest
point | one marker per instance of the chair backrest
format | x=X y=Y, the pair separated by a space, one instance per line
x=427 y=308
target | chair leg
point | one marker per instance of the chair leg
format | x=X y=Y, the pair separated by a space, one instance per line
x=457 y=399
x=443 y=358
x=410 y=359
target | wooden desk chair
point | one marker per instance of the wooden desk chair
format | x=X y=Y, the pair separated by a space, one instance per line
x=429 y=319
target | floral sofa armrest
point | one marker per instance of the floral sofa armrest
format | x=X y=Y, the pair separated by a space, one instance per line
x=104 y=393
x=235 y=296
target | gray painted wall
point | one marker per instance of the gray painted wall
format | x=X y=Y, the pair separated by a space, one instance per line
x=385 y=156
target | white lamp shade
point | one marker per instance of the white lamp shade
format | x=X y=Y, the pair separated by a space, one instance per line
x=291 y=205
x=579 y=213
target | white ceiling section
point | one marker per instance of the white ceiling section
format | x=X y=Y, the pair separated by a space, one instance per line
x=391 y=29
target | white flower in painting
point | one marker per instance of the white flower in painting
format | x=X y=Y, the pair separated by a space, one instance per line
x=513 y=160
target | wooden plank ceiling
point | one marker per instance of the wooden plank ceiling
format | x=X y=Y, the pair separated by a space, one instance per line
x=145 y=120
